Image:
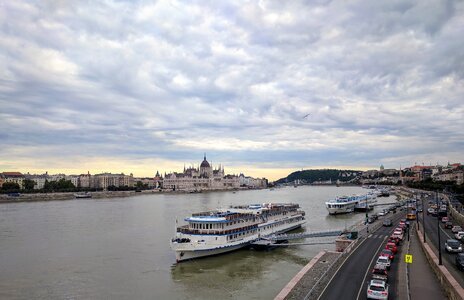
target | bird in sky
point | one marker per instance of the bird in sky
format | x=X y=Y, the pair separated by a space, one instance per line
x=307 y=115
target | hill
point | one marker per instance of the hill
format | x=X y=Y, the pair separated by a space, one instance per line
x=320 y=175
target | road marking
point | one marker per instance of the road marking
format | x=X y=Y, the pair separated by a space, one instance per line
x=447 y=233
x=370 y=235
x=369 y=268
x=353 y=251
x=336 y=272
x=373 y=257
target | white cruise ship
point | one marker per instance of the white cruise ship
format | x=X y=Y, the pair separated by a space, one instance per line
x=342 y=205
x=215 y=232
x=366 y=202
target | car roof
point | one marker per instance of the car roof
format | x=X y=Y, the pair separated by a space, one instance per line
x=378 y=282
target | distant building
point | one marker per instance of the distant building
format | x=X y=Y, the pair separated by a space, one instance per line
x=74 y=179
x=158 y=180
x=86 y=181
x=197 y=179
x=145 y=181
x=39 y=180
x=105 y=180
x=457 y=176
x=250 y=182
x=15 y=177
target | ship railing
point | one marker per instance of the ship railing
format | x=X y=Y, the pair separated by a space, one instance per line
x=185 y=229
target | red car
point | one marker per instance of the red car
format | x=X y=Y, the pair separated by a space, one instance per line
x=387 y=253
x=394 y=240
x=392 y=247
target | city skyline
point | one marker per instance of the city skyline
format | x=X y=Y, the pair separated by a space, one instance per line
x=264 y=88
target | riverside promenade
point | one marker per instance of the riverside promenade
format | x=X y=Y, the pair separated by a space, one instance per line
x=417 y=280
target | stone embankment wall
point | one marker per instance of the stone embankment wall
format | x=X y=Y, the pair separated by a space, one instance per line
x=63 y=196
x=457 y=217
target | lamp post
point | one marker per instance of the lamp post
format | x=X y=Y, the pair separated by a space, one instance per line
x=367 y=215
x=438 y=232
x=423 y=219
x=417 y=215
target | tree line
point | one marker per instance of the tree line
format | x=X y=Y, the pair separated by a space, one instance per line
x=61 y=185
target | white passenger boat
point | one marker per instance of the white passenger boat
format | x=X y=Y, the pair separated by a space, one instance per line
x=366 y=202
x=83 y=195
x=342 y=205
x=215 y=232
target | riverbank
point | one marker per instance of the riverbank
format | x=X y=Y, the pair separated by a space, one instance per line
x=4 y=198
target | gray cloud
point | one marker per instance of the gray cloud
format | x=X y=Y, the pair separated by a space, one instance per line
x=382 y=81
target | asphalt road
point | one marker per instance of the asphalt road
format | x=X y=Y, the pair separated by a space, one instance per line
x=350 y=282
x=445 y=234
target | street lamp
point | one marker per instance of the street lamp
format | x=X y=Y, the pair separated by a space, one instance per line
x=423 y=217
x=438 y=232
x=417 y=217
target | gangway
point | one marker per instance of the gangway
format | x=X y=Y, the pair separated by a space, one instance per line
x=303 y=235
x=281 y=240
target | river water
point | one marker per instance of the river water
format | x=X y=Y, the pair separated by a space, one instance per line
x=118 y=248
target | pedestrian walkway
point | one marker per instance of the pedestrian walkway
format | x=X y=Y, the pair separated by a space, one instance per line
x=423 y=284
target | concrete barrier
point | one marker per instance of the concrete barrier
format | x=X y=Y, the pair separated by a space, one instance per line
x=457 y=217
x=452 y=288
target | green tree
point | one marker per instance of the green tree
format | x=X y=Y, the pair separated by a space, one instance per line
x=10 y=186
x=29 y=184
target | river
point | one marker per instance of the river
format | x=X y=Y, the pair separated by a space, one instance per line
x=118 y=248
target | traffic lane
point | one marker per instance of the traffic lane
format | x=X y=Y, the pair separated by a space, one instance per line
x=345 y=283
x=392 y=273
x=448 y=259
x=351 y=279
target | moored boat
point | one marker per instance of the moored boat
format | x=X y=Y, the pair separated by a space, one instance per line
x=342 y=205
x=220 y=231
x=83 y=195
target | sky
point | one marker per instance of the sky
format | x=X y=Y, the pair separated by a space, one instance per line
x=262 y=87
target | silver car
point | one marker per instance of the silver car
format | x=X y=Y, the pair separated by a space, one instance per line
x=377 y=289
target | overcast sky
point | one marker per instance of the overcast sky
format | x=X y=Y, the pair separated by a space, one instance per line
x=140 y=86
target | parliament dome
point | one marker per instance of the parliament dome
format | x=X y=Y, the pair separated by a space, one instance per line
x=205 y=163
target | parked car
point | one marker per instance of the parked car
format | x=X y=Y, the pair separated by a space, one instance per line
x=430 y=211
x=459 y=235
x=453 y=246
x=456 y=229
x=385 y=261
x=380 y=272
x=377 y=289
x=444 y=219
x=449 y=225
x=392 y=247
x=460 y=261
x=398 y=234
x=387 y=222
x=394 y=240
x=388 y=253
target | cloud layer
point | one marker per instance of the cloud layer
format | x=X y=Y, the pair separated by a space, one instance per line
x=165 y=81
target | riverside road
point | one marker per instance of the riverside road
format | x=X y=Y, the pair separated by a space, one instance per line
x=350 y=282
x=432 y=238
